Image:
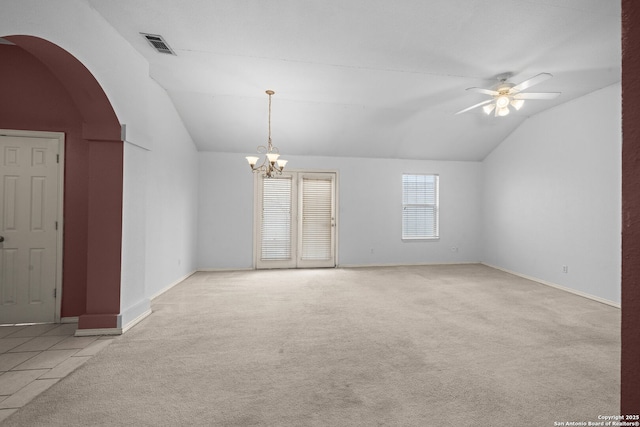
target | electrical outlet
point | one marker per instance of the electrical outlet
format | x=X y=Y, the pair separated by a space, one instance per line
x=454 y=249
x=565 y=268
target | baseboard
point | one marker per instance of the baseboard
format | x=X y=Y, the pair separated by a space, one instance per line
x=209 y=270
x=171 y=285
x=69 y=319
x=112 y=331
x=94 y=332
x=131 y=313
x=560 y=287
x=135 y=321
x=406 y=265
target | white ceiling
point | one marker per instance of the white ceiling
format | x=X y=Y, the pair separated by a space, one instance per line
x=366 y=78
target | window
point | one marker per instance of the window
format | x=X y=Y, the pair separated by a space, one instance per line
x=420 y=206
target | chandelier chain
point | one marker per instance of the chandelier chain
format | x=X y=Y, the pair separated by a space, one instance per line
x=269 y=119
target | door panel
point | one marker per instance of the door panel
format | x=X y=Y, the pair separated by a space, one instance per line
x=28 y=215
x=8 y=278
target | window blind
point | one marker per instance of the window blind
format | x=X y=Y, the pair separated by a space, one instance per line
x=419 y=206
x=316 y=219
x=276 y=219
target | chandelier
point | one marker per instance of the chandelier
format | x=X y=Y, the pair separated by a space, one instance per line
x=270 y=165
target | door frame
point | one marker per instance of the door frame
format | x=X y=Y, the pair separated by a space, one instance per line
x=60 y=211
x=257 y=204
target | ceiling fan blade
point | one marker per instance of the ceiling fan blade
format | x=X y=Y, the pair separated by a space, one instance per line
x=475 y=106
x=528 y=83
x=481 y=90
x=539 y=95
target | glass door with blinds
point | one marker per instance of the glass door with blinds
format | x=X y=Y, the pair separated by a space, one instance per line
x=295 y=220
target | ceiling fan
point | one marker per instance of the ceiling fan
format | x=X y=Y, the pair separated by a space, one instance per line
x=505 y=94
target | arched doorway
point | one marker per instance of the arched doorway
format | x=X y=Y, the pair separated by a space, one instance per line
x=52 y=91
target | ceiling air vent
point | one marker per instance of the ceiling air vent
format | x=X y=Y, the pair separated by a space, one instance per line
x=158 y=43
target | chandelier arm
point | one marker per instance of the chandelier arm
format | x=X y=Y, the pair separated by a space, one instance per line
x=265 y=164
x=255 y=168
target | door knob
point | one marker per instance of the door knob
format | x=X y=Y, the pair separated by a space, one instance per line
x=1 y=239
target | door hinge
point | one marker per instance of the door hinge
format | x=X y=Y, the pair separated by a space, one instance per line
x=56 y=225
x=55 y=293
x=57 y=158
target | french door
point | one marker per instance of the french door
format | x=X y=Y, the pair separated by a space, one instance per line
x=296 y=220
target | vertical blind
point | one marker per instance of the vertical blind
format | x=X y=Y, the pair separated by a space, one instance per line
x=419 y=206
x=276 y=219
x=316 y=219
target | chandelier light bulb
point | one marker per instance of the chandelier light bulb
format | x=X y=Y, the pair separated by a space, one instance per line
x=488 y=108
x=502 y=101
x=272 y=157
x=517 y=103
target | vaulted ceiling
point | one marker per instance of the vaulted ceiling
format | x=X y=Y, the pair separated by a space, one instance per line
x=366 y=78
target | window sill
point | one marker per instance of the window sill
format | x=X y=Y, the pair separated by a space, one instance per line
x=420 y=239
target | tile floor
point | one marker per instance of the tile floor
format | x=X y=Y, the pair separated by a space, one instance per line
x=34 y=357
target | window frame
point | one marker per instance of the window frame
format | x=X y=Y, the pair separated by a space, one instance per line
x=435 y=206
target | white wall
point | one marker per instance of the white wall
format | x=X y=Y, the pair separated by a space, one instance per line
x=159 y=209
x=172 y=198
x=160 y=159
x=369 y=216
x=551 y=197
x=133 y=296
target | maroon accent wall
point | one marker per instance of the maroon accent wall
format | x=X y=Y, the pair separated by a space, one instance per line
x=47 y=89
x=630 y=361
x=105 y=231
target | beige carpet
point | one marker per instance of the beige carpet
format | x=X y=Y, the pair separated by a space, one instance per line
x=400 y=346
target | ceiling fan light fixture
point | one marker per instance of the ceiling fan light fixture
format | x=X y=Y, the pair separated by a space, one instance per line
x=517 y=103
x=488 y=108
x=502 y=101
x=507 y=95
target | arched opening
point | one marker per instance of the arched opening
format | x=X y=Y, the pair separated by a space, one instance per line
x=48 y=89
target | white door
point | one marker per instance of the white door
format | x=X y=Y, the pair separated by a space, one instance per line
x=28 y=221
x=295 y=221
x=316 y=220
